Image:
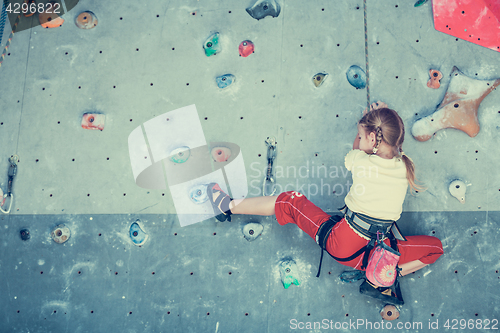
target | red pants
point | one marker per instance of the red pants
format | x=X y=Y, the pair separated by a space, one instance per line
x=293 y=207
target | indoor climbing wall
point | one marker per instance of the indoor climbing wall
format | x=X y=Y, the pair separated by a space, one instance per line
x=103 y=106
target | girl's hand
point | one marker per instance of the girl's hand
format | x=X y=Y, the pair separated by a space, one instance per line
x=375 y=106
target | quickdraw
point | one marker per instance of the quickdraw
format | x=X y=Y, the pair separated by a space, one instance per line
x=269 y=181
x=14 y=159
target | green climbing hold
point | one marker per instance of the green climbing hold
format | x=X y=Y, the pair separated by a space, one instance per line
x=420 y=3
x=288 y=273
x=180 y=155
x=212 y=45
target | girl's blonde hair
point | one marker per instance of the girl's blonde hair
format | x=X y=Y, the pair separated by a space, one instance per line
x=389 y=127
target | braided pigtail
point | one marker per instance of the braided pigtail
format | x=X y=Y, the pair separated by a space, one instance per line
x=389 y=127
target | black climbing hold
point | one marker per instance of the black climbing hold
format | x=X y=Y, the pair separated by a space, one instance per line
x=252 y=230
x=319 y=78
x=356 y=77
x=263 y=8
x=25 y=234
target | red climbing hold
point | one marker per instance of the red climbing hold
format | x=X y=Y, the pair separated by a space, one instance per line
x=93 y=121
x=221 y=154
x=475 y=21
x=246 y=48
x=434 y=81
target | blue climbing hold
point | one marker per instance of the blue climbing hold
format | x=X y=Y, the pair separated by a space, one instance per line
x=137 y=235
x=212 y=45
x=224 y=81
x=356 y=77
x=198 y=194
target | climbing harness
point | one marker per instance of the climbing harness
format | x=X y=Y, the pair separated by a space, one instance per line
x=369 y=227
x=14 y=159
x=271 y=155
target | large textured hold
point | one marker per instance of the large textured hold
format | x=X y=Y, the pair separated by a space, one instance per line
x=263 y=8
x=474 y=21
x=458 y=109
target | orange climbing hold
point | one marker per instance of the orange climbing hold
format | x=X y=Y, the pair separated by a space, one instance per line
x=86 y=20
x=458 y=109
x=50 y=19
x=93 y=121
x=434 y=81
x=389 y=312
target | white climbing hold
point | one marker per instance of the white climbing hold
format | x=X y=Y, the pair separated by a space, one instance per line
x=457 y=189
x=252 y=230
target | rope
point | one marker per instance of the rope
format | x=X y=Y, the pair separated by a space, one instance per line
x=3 y=17
x=366 y=58
x=10 y=38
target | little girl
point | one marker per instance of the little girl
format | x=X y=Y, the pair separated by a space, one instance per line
x=381 y=173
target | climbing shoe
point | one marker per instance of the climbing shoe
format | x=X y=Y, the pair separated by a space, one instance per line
x=383 y=294
x=351 y=276
x=220 y=202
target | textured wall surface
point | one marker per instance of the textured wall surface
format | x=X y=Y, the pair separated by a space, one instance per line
x=145 y=59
